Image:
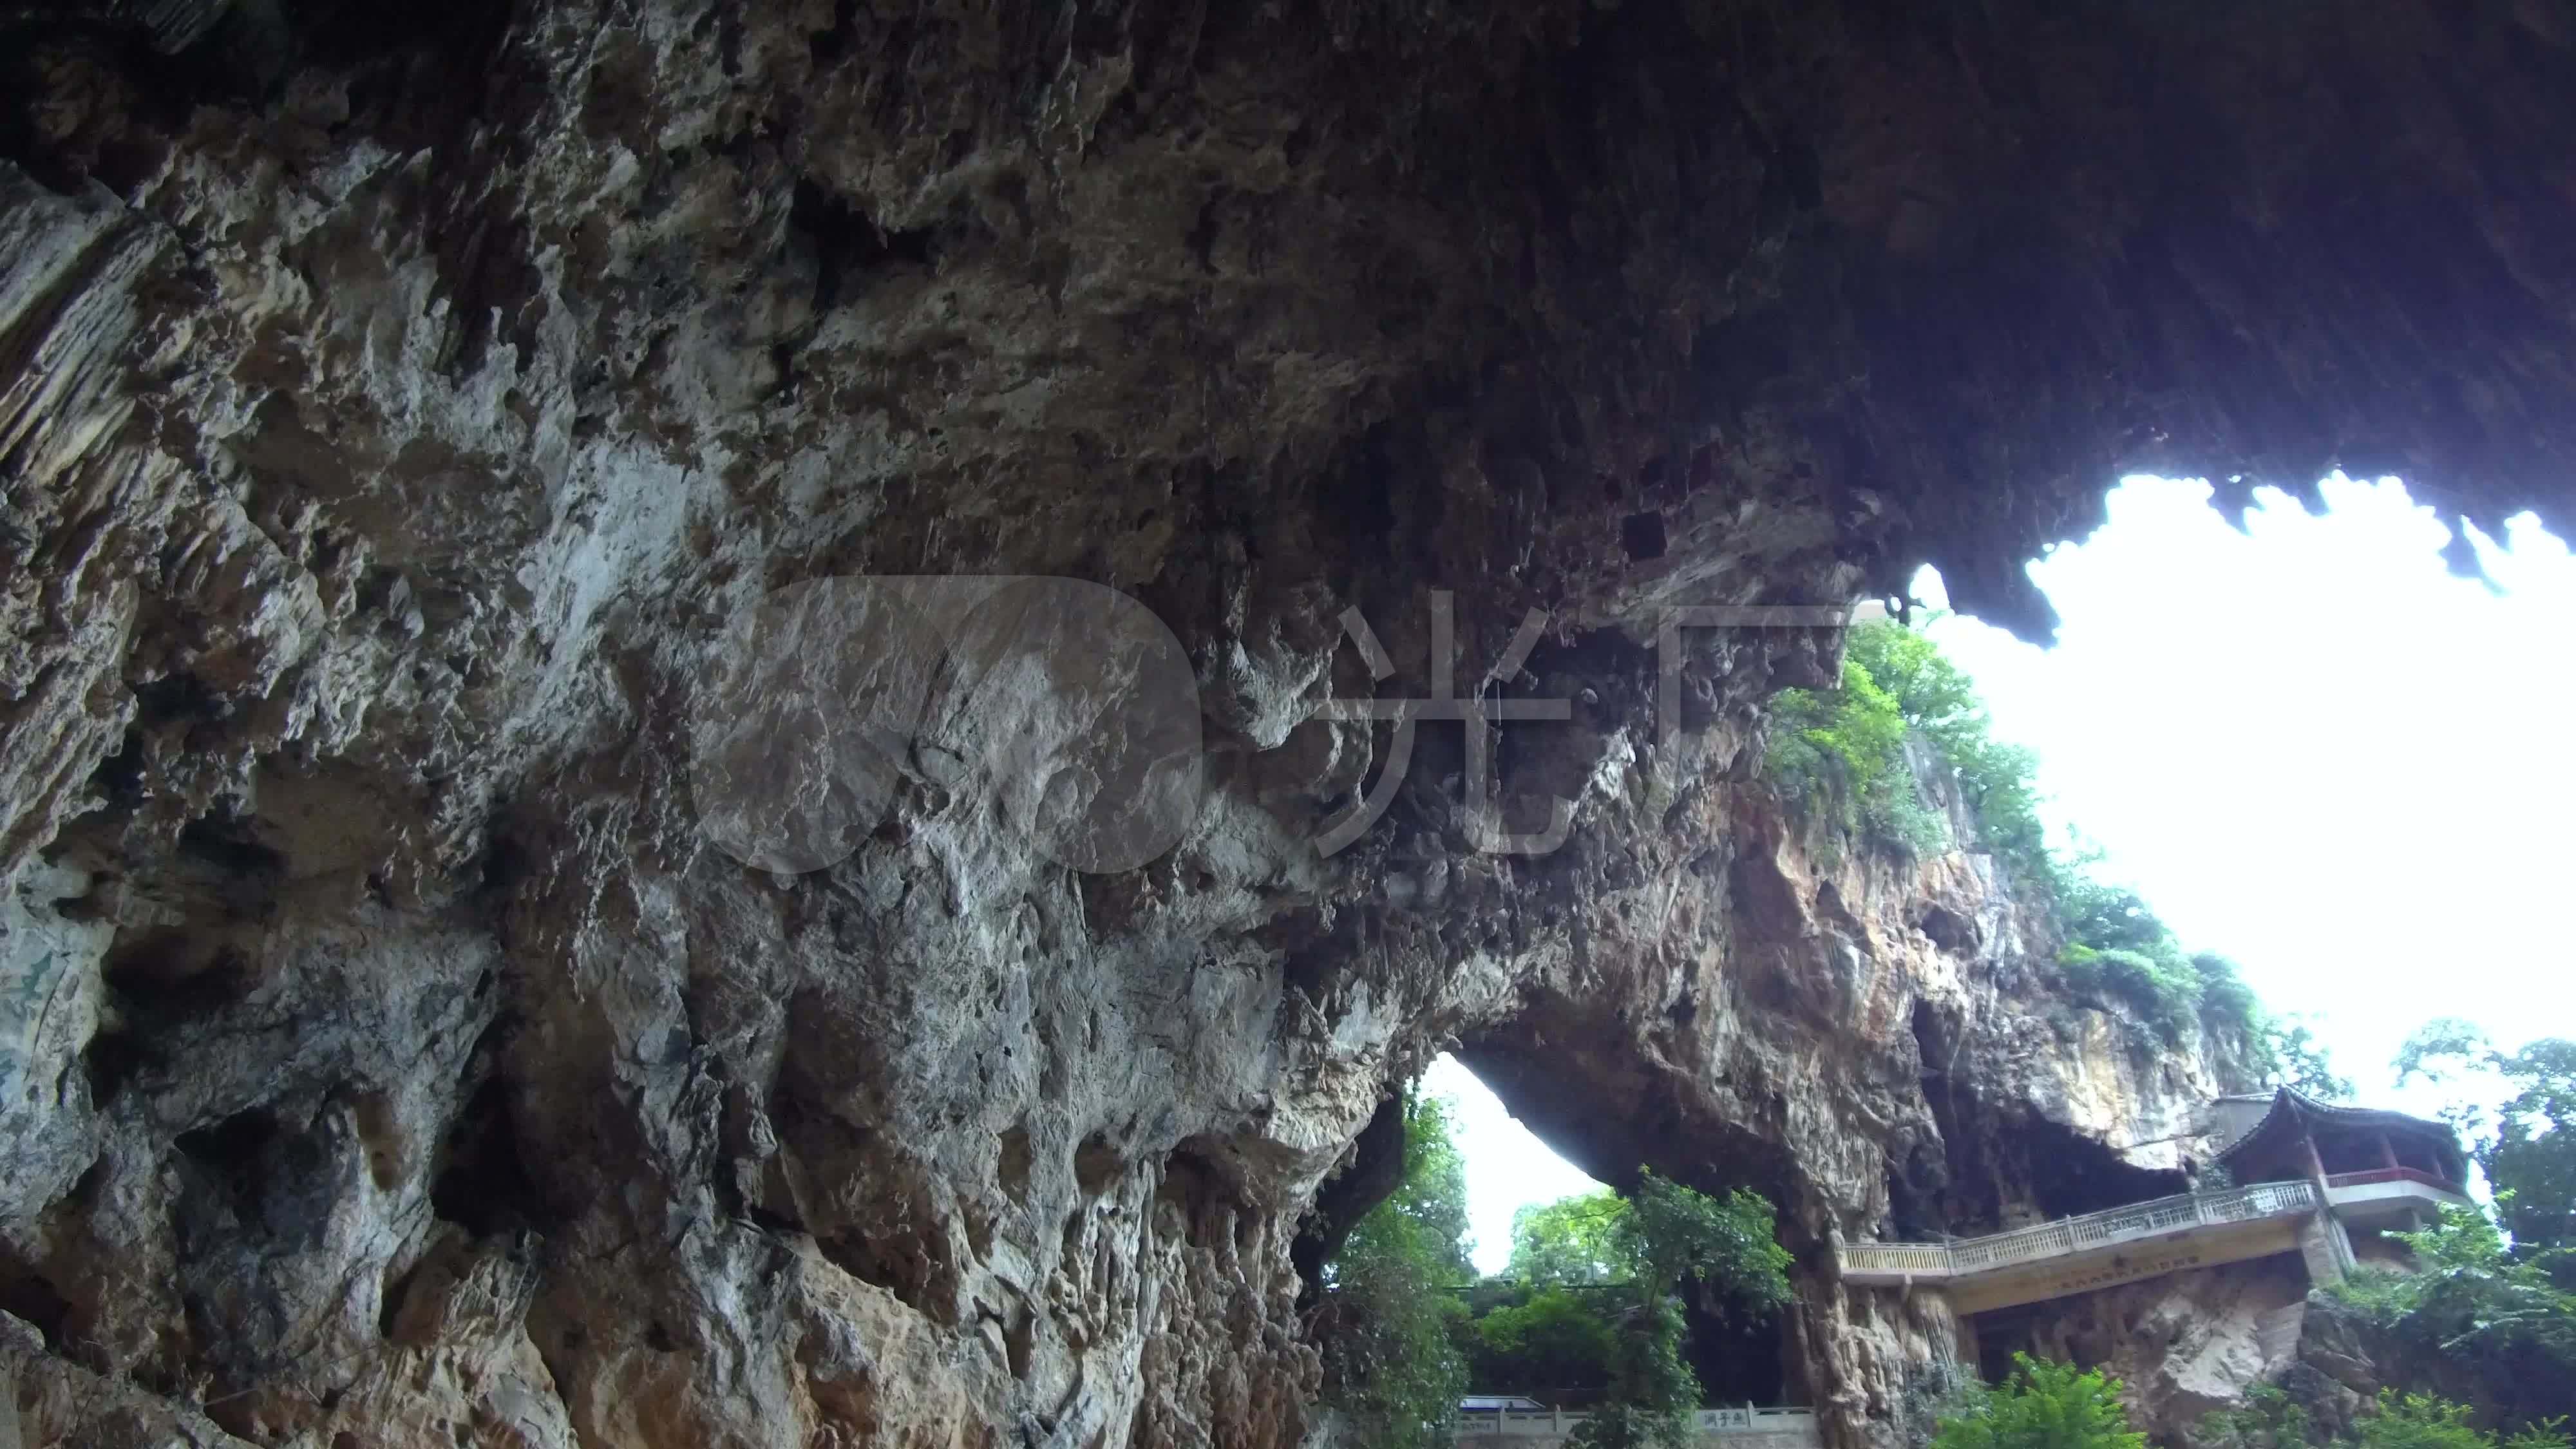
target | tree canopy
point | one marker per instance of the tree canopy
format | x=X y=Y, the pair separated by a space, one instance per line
x=2520 y=1145
x=1389 y=1363
x=2494 y=1308
x=1570 y=1240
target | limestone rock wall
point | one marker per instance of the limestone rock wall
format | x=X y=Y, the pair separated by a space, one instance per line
x=397 y=407
x=1878 y=1042
x=2183 y=1345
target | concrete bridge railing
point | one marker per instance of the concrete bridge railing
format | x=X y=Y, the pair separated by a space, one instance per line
x=1900 y=1262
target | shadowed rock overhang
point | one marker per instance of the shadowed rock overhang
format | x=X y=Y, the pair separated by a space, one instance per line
x=392 y=411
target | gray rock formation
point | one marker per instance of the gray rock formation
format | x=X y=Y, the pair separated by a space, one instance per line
x=2182 y=1345
x=396 y=414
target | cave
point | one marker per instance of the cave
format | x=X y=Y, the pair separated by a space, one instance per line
x=402 y=420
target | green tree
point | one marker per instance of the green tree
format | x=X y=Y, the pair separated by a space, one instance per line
x=2520 y=1145
x=2044 y=1405
x=2496 y=1314
x=1730 y=1243
x=1390 y=1363
x=1652 y=1391
x=2102 y=916
x=1848 y=748
x=1557 y=1344
x=1571 y=1240
x=1935 y=699
x=1668 y=1234
x=2295 y=1058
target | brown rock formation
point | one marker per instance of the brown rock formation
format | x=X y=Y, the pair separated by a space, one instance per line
x=394 y=410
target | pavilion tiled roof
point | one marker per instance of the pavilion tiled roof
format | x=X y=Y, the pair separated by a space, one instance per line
x=2292 y=1108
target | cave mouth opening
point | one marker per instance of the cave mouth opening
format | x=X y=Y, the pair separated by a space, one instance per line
x=1539 y=1320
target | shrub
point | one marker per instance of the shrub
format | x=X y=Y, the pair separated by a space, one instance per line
x=1571 y=1240
x=2270 y=1419
x=2526 y=1144
x=1846 y=752
x=2472 y=1301
x=2224 y=996
x=2044 y=1405
x=2418 y=1421
x=2162 y=987
x=1935 y=1392
x=2290 y=1054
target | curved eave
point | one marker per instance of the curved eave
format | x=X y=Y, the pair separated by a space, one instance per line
x=2293 y=1111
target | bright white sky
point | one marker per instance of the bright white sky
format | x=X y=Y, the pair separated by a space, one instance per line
x=2307 y=745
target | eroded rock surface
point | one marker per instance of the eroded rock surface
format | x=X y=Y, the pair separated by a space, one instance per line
x=396 y=413
x=2183 y=1345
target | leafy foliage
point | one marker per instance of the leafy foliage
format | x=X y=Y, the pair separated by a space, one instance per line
x=2297 y=1059
x=2103 y=916
x=1560 y=1345
x=1936 y=1392
x=2522 y=1145
x=2475 y=1301
x=1390 y=1364
x=1671 y=1233
x=1596 y=1320
x=1846 y=751
x=2044 y=1405
x=1652 y=1391
x=2270 y=1419
x=1729 y=1243
x=2161 y=986
x=2172 y=990
x=1849 y=748
x=2419 y=1421
x=1571 y=1240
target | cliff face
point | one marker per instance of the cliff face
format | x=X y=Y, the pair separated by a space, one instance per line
x=397 y=413
x=2191 y=1343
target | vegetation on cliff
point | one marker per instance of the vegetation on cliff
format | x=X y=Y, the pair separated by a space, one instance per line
x=1844 y=754
x=2490 y=1311
x=2520 y=1144
x=2044 y=1405
x=2049 y=1405
x=2270 y=1418
x=2480 y=1316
